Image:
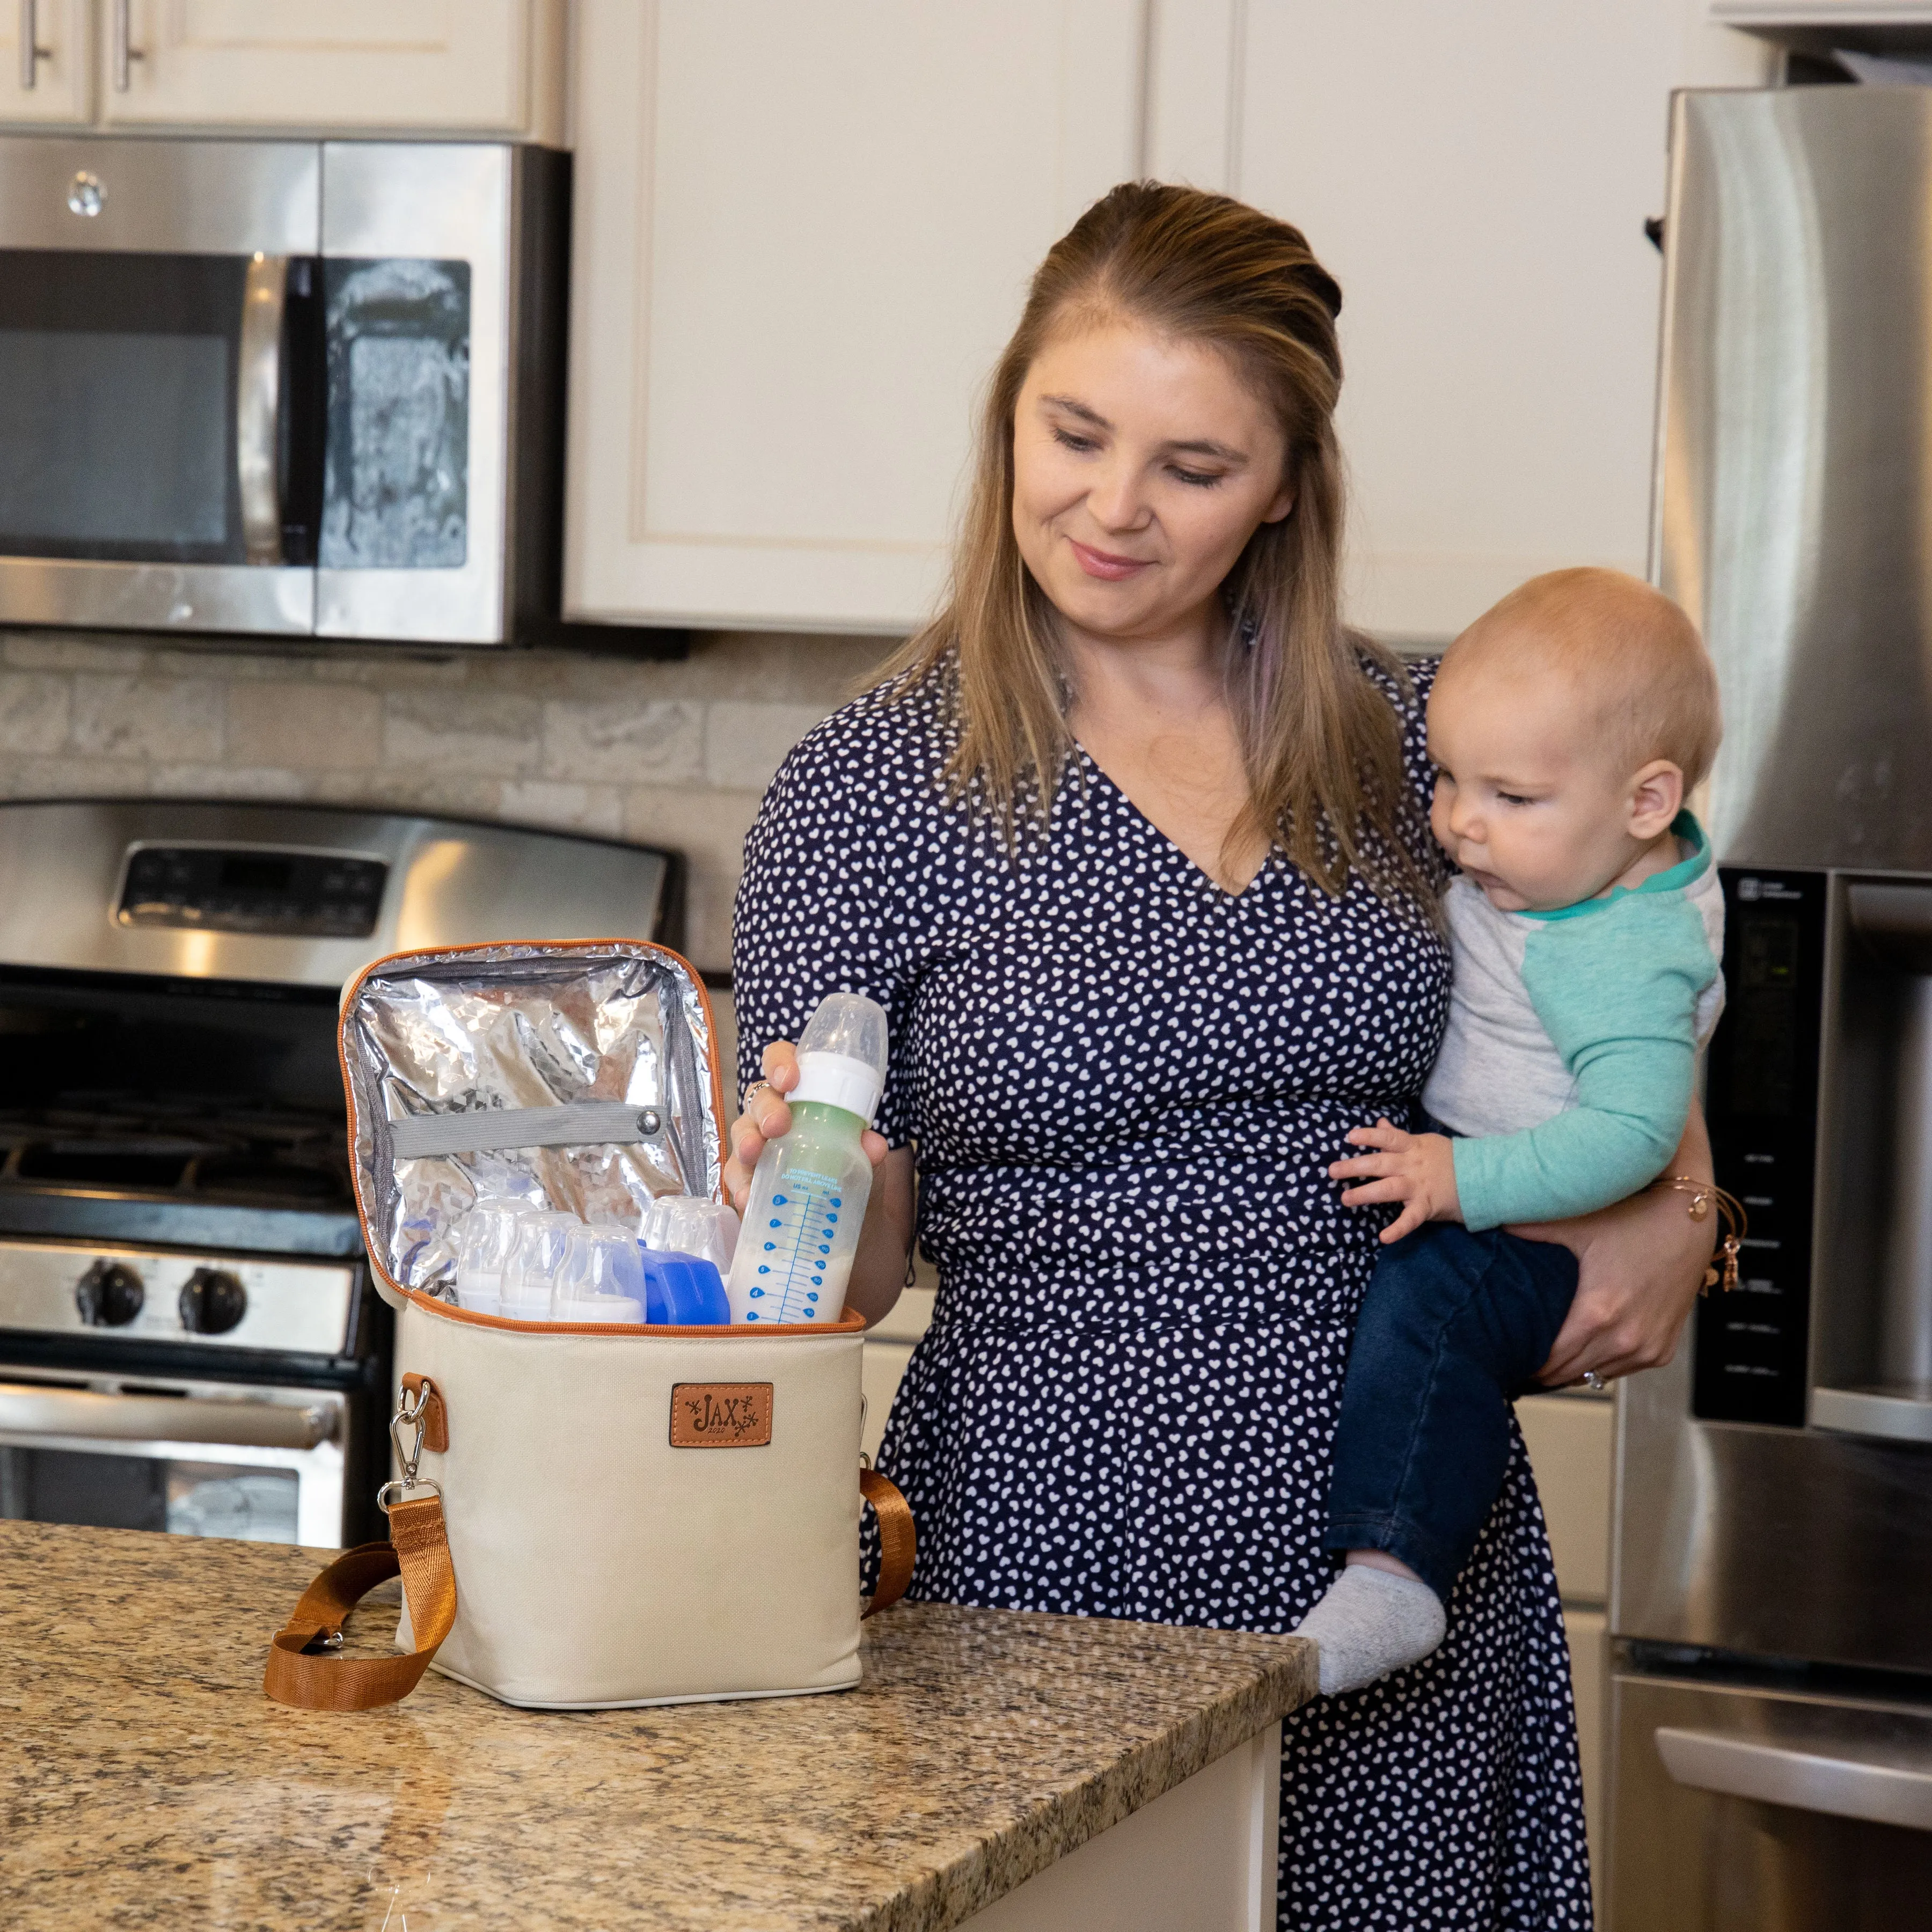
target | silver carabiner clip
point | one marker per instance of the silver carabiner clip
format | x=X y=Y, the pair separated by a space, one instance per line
x=415 y=1416
x=408 y=1416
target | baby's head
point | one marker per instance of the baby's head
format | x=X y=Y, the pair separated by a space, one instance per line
x=1567 y=725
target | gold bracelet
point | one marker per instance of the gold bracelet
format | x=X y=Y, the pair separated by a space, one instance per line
x=1737 y=1224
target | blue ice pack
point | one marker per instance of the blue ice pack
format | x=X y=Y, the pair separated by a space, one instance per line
x=683 y=1291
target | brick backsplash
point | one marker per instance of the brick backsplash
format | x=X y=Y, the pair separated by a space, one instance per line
x=668 y=753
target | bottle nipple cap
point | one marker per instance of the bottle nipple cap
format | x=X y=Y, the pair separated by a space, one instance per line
x=841 y=1054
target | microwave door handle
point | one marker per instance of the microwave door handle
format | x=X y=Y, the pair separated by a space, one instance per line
x=258 y=406
x=28 y=1408
x=1845 y=1786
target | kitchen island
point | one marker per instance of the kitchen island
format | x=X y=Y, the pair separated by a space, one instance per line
x=997 y=1770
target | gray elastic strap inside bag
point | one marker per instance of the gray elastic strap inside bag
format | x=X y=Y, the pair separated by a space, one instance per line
x=575 y=1124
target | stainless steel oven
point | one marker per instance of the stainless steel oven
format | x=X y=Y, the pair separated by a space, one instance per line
x=197 y=1451
x=188 y=1339
x=303 y=388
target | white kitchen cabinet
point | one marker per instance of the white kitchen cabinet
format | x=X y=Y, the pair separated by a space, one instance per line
x=1588 y=1635
x=482 y=66
x=802 y=234
x=58 y=87
x=1570 y=1437
x=1476 y=178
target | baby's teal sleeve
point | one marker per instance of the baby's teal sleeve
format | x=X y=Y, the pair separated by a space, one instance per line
x=1617 y=992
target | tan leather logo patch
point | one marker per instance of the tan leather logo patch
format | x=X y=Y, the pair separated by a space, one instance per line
x=721 y=1415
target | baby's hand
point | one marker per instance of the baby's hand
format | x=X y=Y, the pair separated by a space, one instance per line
x=1419 y=1170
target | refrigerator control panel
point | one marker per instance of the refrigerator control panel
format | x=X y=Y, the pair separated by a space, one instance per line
x=1762 y=1102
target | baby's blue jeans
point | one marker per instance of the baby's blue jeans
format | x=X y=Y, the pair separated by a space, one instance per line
x=1453 y=1328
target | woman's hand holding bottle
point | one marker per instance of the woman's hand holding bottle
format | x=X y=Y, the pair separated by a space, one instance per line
x=878 y=1269
x=767 y=1116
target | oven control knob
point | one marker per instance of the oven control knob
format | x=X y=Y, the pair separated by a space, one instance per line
x=109 y=1295
x=212 y=1301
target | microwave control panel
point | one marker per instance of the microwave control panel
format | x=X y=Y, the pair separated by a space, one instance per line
x=1761 y=1101
x=252 y=888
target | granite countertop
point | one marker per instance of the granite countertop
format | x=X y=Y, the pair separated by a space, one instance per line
x=148 y=1782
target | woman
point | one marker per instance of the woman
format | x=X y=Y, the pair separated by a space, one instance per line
x=1133 y=846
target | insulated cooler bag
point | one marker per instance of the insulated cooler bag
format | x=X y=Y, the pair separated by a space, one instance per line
x=587 y=1517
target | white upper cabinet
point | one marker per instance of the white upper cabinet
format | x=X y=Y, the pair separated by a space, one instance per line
x=491 y=67
x=1477 y=178
x=52 y=84
x=803 y=235
x=803 y=232
x=487 y=66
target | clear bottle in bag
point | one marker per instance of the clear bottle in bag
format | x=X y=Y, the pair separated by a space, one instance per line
x=535 y=1260
x=483 y=1243
x=687 y=1224
x=807 y=1199
x=601 y=1278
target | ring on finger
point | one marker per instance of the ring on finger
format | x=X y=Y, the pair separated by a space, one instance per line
x=1592 y=1380
x=757 y=1087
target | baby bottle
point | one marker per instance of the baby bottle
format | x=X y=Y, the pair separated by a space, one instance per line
x=687 y=1253
x=801 y=1225
x=535 y=1258
x=687 y=1224
x=484 y=1242
x=600 y=1277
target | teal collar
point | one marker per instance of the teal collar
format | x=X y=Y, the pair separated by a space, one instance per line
x=1680 y=876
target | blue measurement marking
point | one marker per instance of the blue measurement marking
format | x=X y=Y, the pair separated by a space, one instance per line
x=798 y=1241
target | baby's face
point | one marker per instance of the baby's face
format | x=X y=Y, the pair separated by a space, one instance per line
x=1525 y=804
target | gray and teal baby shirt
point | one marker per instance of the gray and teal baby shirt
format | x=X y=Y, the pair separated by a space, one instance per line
x=1570 y=1056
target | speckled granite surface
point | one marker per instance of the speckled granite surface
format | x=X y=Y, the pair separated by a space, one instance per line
x=147 y=1782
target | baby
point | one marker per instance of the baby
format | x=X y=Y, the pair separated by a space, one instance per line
x=1586 y=927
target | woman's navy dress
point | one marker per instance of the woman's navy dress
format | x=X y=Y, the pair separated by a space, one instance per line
x=1126 y=1086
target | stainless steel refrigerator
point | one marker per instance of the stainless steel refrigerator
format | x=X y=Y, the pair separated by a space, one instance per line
x=1772 y=1600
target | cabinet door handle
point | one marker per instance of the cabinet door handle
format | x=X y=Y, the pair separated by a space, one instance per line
x=124 y=52
x=1843 y=1783
x=31 y=52
x=258 y=406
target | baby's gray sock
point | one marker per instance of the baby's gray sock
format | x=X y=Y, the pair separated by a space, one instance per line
x=1372 y=1621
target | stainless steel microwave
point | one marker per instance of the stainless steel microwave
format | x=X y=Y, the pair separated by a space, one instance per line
x=310 y=389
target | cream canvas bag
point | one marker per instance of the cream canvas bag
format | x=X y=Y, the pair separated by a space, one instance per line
x=587 y=1517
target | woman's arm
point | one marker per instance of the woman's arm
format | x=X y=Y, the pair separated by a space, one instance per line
x=1641 y=1264
x=885 y=1240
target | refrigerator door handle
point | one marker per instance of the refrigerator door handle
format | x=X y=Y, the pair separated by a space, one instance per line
x=1845 y=1786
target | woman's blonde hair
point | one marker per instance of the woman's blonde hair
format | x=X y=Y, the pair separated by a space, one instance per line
x=1321 y=742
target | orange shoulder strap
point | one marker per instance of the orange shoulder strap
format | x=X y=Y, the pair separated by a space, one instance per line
x=417 y=1551
x=898 y=1543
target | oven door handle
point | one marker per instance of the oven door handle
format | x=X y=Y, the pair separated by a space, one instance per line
x=28 y=1408
x=1845 y=1785
x=258 y=407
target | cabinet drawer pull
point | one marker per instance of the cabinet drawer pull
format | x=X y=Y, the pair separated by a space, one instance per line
x=31 y=52
x=124 y=52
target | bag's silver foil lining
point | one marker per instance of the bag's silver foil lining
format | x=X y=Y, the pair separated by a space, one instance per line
x=517 y=1026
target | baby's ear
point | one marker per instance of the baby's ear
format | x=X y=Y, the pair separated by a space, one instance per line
x=1656 y=797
